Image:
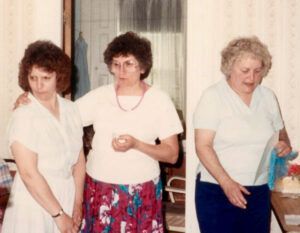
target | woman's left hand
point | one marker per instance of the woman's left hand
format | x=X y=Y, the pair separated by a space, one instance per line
x=283 y=148
x=123 y=143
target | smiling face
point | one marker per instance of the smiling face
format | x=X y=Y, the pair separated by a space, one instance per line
x=42 y=83
x=246 y=75
x=126 y=69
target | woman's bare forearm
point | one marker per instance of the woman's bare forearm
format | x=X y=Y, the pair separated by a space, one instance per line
x=166 y=151
x=207 y=155
x=79 y=175
x=34 y=181
x=40 y=191
x=209 y=159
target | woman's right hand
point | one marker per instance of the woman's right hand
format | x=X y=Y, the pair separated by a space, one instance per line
x=235 y=192
x=65 y=224
x=204 y=140
x=22 y=99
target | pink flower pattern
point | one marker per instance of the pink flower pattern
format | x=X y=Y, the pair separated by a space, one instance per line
x=122 y=208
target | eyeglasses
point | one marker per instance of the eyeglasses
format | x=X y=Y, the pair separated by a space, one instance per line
x=128 y=66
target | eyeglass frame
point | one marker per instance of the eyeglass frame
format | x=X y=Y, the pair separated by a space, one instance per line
x=128 y=66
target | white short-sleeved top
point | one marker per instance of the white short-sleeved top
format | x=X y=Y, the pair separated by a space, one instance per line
x=57 y=143
x=155 y=117
x=242 y=131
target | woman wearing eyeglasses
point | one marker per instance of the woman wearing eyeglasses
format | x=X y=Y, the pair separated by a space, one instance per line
x=123 y=190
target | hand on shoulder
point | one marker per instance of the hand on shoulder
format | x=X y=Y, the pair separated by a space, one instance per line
x=22 y=99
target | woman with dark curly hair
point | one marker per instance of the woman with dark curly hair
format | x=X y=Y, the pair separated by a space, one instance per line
x=45 y=139
x=122 y=189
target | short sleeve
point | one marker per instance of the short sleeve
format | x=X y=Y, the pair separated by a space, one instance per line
x=21 y=129
x=170 y=123
x=87 y=105
x=275 y=111
x=206 y=115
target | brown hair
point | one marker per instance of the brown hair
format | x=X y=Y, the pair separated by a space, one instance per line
x=130 y=43
x=243 y=45
x=51 y=58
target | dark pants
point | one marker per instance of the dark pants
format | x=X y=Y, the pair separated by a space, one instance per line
x=217 y=215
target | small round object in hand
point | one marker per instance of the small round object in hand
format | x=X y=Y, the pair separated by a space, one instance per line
x=121 y=140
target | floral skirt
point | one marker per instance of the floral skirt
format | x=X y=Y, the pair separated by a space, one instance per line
x=135 y=208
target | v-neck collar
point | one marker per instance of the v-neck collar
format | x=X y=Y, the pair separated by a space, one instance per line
x=59 y=124
x=236 y=97
x=46 y=111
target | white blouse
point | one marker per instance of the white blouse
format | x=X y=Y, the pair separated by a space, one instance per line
x=57 y=143
x=155 y=117
x=242 y=131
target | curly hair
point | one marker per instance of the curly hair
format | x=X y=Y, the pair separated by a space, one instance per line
x=245 y=45
x=130 y=43
x=51 y=58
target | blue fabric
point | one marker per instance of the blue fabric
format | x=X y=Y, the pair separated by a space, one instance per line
x=278 y=166
x=6 y=179
x=216 y=214
x=82 y=75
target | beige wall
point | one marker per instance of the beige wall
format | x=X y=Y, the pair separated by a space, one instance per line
x=211 y=24
x=22 y=22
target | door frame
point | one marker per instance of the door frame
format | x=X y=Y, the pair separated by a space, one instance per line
x=67 y=46
x=68 y=6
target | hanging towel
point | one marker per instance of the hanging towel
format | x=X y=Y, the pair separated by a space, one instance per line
x=82 y=75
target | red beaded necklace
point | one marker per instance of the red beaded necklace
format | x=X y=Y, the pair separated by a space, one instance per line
x=144 y=87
